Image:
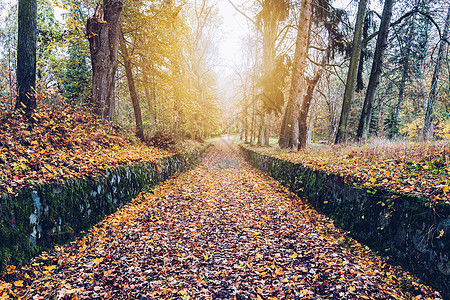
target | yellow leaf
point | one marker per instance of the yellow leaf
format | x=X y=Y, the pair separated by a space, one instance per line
x=352 y=288
x=372 y=179
x=294 y=255
x=97 y=261
x=50 y=268
x=279 y=271
x=18 y=283
x=11 y=269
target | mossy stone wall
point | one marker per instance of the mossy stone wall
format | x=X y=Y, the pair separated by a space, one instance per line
x=414 y=232
x=37 y=218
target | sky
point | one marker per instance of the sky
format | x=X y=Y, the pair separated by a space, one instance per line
x=235 y=29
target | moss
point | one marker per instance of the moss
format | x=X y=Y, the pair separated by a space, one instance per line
x=62 y=211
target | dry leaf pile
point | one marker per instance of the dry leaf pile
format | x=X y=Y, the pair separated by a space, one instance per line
x=220 y=231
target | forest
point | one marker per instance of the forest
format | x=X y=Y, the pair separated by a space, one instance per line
x=224 y=149
x=311 y=71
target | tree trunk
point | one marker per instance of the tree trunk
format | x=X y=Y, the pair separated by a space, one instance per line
x=245 y=121
x=253 y=121
x=26 y=56
x=306 y=103
x=102 y=31
x=311 y=123
x=429 y=113
x=132 y=88
x=267 y=129
x=405 y=75
x=366 y=114
x=150 y=96
x=288 y=135
x=260 y=141
x=341 y=134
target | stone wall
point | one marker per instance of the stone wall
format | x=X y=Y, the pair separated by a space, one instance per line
x=37 y=218
x=411 y=230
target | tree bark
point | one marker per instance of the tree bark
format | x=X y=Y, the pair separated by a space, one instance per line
x=26 y=56
x=288 y=134
x=102 y=31
x=405 y=75
x=132 y=88
x=377 y=64
x=306 y=103
x=311 y=122
x=341 y=134
x=429 y=113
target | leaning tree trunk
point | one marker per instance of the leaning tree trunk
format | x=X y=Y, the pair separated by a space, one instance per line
x=288 y=134
x=132 y=88
x=102 y=31
x=306 y=103
x=405 y=75
x=366 y=114
x=26 y=56
x=429 y=113
x=341 y=134
x=150 y=96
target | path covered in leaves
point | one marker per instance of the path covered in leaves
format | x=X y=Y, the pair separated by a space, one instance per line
x=220 y=231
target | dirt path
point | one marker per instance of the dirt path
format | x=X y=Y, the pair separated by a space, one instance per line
x=220 y=231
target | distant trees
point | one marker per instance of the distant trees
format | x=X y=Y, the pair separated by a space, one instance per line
x=166 y=56
x=166 y=67
x=429 y=112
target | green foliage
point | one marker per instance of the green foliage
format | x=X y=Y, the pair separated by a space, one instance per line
x=76 y=78
x=391 y=125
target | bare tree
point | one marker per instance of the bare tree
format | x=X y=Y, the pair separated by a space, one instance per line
x=429 y=113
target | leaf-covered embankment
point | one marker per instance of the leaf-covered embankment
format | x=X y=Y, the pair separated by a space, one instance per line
x=410 y=229
x=421 y=169
x=220 y=231
x=65 y=172
x=59 y=144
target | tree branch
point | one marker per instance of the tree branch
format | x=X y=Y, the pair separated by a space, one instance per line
x=242 y=13
x=365 y=41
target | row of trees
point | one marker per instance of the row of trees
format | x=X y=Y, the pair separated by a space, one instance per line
x=381 y=75
x=158 y=54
